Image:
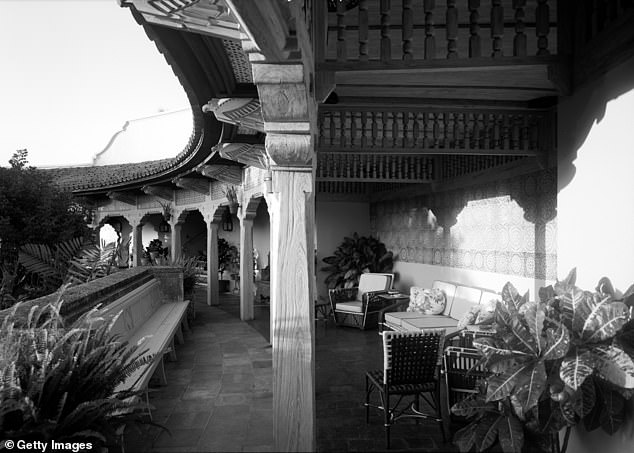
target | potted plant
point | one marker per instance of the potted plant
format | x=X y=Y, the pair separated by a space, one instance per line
x=226 y=256
x=155 y=252
x=553 y=364
x=232 y=198
x=355 y=256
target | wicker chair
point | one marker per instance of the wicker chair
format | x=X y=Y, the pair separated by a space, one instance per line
x=411 y=368
x=360 y=306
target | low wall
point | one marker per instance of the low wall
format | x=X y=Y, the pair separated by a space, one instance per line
x=79 y=299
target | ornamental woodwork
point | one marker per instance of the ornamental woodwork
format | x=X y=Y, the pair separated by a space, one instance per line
x=230 y=174
x=196 y=184
x=208 y=17
x=244 y=112
x=434 y=131
x=159 y=191
x=245 y=153
x=122 y=197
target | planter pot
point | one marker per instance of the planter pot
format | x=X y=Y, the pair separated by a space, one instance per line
x=223 y=286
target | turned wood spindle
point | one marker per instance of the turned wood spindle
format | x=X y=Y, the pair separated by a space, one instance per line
x=341 y=32
x=363 y=30
x=452 y=29
x=386 y=44
x=408 y=29
x=542 y=26
x=430 y=40
x=475 y=49
x=519 y=41
x=497 y=28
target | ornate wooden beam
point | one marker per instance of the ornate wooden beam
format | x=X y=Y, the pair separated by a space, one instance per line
x=243 y=112
x=124 y=197
x=209 y=17
x=224 y=173
x=245 y=153
x=195 y=184
x=160 y=192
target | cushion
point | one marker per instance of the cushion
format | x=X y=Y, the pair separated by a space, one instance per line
x=426 y=301
x=469 y=317
x=465 y=298
x=396 y=317
x=429 y=322
x=450 y=290
x=488 y=301
x=352 y=306
x=373 y=282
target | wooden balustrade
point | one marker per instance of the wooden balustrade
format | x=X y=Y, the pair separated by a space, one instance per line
x=356 y=167
x=596 y=16
x=388 y=30
x=433 y=131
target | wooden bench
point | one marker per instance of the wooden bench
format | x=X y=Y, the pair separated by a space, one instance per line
x=145 y=319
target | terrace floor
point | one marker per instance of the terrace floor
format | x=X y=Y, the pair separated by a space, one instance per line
x=219 y=398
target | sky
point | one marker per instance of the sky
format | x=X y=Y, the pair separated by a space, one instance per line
x=71 y=73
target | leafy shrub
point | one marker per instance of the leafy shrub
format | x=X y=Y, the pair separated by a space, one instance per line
x=226 y=255
x=355 y=256
x=566 y=359
x=62 y=384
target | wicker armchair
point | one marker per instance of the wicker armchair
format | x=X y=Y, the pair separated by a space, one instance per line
x=359 y=306
x=411 y=368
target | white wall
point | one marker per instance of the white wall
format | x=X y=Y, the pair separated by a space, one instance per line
x=334 y=221
x=596 y=204
x=423 y=275
x=262 y=234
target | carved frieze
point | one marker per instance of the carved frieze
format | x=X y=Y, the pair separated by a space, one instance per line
x=243 y=112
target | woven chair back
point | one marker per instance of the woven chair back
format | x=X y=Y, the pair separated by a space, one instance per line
x=412 y=357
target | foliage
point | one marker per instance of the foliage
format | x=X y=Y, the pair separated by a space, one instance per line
x=355 y=256
x=73 y=262
x=156 y=246
x=192 y=267
x=62 y=384
x=34 y=210
x=226 y=254
x=231 y=194
x=554 y=363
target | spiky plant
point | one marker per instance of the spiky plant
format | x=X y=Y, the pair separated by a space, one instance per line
x=355 y=256
x=61 y=383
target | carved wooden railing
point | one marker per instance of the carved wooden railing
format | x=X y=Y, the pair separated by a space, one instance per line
x=375 y=167
x=597 y=16
x=434 y=130
x=391 y=30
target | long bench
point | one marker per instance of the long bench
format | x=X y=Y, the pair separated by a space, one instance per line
x=143 y=318
x=459 y=300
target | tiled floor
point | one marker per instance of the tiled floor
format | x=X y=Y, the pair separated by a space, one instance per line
x=218 y=396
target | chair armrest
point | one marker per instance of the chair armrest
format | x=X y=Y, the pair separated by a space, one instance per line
x=341 y=295
x=371 y=301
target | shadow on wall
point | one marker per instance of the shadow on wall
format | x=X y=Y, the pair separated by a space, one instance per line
x=587 y=106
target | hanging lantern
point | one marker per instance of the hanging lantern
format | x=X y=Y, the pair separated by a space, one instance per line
x=227 y=221
x=164 y=227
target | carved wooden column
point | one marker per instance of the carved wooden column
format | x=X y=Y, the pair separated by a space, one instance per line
x=137 y=239
x=175 y=241
x=246 y=263
x=212 y=221
x=289 y=117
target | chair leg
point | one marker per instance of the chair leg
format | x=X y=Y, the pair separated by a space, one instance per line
x=385 y=397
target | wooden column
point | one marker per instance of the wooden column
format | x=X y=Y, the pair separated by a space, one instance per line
x=136 y=243
x=175 y=242
x=212 y=260
x=289 y=115
x=246 y=264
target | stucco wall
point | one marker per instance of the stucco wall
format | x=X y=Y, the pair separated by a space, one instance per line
x=596 y=203
x=487 y=234
x=262 y=235
x=336 y=220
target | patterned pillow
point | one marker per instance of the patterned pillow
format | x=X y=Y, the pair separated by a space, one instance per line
x=426 y=301
x=469 y=317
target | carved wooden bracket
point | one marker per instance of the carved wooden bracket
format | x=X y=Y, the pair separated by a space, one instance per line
x=244 y=112
x=208 y=17
x=195 y=184
x=224 y=173
x=158 y=191
x=123 y=197
x=245 y=153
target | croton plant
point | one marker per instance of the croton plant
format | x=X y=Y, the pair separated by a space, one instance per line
x=564 y=360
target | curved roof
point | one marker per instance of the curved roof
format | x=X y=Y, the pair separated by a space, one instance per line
x=205 y=71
